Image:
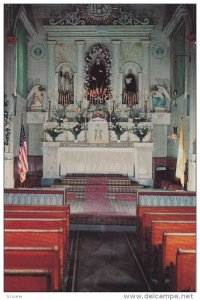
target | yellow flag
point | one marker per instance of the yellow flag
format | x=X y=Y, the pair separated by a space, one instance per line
x=181 y=158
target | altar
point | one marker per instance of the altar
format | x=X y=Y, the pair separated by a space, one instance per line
x=134 y=160
x=99 y=113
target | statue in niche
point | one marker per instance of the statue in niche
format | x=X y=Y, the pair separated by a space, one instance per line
x=159 y=97
x=65 y=88
x=36 y=98
x=130 y=95
x=98 y=80
x=98 y=75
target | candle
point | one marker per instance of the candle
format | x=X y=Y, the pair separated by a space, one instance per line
x=49 y=110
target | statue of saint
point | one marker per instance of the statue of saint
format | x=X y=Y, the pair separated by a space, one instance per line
x=98 y=75
x=158 y=98
x=130 y=95
x=36 y=97
x=130 y=83
x=65 y=88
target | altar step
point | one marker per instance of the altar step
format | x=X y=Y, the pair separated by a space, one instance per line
x=96 y=189
x=96 y=180
x=103 y=219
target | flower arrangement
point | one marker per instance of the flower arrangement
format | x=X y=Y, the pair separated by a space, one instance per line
x=76 y=130
x=118 y=130
x=141 y=132
x=53 y=132
x=81 y=117
x=59 y=116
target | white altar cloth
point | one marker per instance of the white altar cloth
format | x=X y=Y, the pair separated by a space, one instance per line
x=134 y=160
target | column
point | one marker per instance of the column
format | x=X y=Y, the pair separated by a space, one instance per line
x=143 y=163
x=10 y=90
x=79 y=87
x=115 y=74
x=146 y=82
x=191 y=185
x=52 y=94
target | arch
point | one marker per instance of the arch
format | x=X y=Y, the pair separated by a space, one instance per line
x=65 y=63
x=132 y=65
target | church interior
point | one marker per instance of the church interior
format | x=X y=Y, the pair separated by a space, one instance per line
x=100 y=148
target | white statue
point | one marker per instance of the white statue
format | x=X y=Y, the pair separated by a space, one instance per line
x=36 y=97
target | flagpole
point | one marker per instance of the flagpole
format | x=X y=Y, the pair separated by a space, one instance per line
x=181 y=157
x=23 y=155
x=22 y=123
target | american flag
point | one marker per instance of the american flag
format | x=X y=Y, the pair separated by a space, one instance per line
x=23 y=158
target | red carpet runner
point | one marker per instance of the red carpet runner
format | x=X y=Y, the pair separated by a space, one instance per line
x=96 y=196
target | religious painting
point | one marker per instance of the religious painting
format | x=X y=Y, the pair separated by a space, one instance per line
x=97 y=75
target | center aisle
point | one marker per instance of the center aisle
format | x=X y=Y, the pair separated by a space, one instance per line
x=106 y=263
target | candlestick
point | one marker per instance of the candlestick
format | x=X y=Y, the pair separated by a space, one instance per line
x=49 y=110
x=145 y=108
x=113 y=105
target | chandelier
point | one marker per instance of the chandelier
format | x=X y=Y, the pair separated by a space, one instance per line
x=174 y=136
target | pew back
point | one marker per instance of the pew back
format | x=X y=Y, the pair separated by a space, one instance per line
x=173 y=241
x=37 y=238
x=159 y=227
x=185 y=270
x=31 y=223
x=34 y=280
x=29 y=258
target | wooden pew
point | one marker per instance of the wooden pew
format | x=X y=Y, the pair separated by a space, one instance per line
x=185 y=270
x=32 y=258
x=34 y=280
x=174 y=240
x=161 y=209
x=32 y=223
x=154 y=241
x=159 y=227
x=37 y=238
x=171 y=242
x=65 y=208
x=150 y=216
x=40 y=212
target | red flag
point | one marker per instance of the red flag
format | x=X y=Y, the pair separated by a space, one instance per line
x=23 y=158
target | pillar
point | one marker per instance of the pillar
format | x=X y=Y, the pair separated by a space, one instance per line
x=116 y=71
x=79 y=92
x=191 y=184
x=146 y=79
x=52 y=94
x=10 y=90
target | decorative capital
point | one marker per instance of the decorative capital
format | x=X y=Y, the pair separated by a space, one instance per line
x=145 y=43
x=51 y=43
x=116 y=42
x=80 y=43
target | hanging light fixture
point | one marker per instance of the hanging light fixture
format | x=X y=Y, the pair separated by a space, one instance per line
x=174 y=136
